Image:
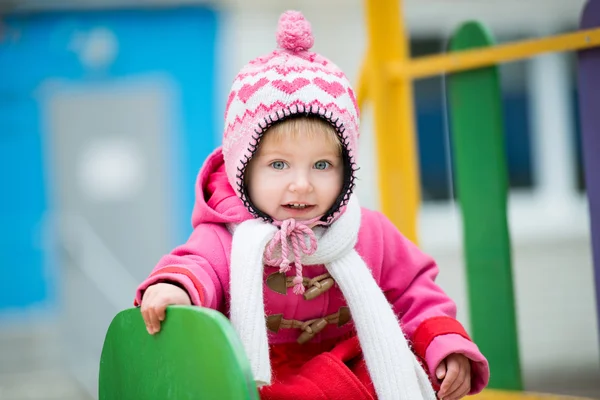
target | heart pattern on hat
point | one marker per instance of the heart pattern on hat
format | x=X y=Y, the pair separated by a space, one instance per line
x=290 y=87
x=335 y=89
x=248 y=90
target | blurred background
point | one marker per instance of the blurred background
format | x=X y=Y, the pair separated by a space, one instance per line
x=108 y=109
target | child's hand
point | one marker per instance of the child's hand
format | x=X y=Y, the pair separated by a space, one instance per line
x=155 y=301
x=455 y=374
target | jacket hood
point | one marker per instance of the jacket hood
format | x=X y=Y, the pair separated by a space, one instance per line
x=216 y=201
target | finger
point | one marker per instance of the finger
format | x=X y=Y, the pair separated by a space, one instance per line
x=159 y=315
x=440 y=371
x=146 y=319
x=462 y=380
x=449 y=383
x=145 y=309
x=160 y=312
x=461 y=391
x=154 y=322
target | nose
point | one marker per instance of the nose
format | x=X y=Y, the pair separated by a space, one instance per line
x=301 y=183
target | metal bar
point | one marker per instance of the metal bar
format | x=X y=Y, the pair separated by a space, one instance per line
x=393 y=111
x=423 y=67
x=362 y=88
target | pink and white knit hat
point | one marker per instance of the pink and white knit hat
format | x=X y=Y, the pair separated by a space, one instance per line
x=289 y=82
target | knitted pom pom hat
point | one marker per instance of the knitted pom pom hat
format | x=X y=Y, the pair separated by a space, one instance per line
x=289 y=82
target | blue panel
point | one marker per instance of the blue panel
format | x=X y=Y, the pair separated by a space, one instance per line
x=22 y=199
x=434 y=152
x=179 y=43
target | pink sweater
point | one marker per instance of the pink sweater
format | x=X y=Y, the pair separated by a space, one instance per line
x=406 y=275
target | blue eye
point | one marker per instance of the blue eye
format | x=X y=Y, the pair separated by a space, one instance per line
x=322 y=165
x=278 y=165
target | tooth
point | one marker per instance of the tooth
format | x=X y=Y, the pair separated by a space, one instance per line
x=297 y=205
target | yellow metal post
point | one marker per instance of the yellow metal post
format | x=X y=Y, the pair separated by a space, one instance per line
x=392 y=101
x=362 y=89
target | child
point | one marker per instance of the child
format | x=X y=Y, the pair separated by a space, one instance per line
x=279 y=236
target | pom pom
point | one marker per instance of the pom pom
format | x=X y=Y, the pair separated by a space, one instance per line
x=294 y=33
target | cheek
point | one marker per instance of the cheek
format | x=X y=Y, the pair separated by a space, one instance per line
x=331 y=185
x=263 y=186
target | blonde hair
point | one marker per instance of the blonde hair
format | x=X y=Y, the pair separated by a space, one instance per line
x=309 y=127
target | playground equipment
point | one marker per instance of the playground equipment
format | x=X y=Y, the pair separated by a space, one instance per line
x=475 y=111
x=129 y=356
x=476 y=115
x=197 y=352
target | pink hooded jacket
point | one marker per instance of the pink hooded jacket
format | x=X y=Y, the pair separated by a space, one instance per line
x=405 y=274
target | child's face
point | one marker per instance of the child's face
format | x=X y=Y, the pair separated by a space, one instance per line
x=295 y=177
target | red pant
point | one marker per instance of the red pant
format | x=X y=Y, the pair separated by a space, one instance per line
x=321 y=371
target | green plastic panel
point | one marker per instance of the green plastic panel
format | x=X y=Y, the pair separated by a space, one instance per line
x=481 y=183
x=196 y=355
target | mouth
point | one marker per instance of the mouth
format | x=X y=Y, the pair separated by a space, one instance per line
x=298 y=206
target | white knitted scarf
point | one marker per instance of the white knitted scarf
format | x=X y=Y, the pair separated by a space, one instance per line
x=394 y=369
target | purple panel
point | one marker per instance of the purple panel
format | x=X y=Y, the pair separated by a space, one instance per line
x=589 y=99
